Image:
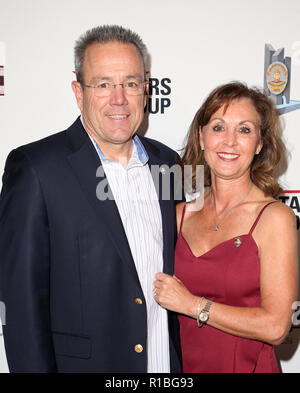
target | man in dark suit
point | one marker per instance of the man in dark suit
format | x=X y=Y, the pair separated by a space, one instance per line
x=84 y=228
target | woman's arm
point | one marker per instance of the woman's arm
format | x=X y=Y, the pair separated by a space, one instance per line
x=276 y=237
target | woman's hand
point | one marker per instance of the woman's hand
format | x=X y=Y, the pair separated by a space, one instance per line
x=172 y=294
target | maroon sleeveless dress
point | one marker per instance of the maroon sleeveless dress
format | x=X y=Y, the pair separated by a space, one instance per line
x=230 y=274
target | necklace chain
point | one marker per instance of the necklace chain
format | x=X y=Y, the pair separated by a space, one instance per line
x=226 y=212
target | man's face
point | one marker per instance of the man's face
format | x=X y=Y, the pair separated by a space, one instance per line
x=113 y=119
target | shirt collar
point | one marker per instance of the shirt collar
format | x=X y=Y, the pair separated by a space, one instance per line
x=139 y=153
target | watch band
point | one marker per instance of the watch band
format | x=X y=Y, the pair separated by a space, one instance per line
x=207 y=306
x=198 y=310
x=205 y=310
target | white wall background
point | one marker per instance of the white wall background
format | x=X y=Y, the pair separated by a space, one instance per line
x=197 y=44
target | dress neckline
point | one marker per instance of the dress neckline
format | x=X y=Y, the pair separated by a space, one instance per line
x=225 y=241
x=218 y=245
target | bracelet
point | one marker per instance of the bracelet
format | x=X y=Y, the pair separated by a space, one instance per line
x=198 y=310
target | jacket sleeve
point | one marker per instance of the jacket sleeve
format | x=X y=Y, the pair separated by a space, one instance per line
x=24 y=269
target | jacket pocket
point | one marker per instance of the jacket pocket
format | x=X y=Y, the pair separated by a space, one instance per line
x=72 y=345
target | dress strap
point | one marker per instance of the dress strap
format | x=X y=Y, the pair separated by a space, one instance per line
x=259 y=215
x=182 y=217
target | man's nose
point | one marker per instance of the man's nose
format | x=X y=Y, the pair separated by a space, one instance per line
x=118 y=96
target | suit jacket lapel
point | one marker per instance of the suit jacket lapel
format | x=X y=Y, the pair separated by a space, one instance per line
x=166 y=207
x=85 y=161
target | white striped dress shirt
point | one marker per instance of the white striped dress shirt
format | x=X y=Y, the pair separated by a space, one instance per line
x=136 y=198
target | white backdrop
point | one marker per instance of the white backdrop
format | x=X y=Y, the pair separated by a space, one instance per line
x=194 y=43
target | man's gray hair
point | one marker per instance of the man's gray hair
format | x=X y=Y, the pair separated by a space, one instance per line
x=102 y=35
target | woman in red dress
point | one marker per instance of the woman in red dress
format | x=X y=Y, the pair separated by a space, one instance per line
x=236 y=258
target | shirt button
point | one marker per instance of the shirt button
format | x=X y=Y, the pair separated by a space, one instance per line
x=138 y=301
x=138 y=348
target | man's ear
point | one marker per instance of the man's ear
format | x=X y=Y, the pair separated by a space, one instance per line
x=77 y=89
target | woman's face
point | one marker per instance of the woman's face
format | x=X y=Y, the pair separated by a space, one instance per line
x=231 y=139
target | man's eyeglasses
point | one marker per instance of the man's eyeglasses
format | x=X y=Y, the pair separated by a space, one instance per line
x=130 y=88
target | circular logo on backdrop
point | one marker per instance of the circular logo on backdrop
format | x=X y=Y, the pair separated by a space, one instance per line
x=277 y=77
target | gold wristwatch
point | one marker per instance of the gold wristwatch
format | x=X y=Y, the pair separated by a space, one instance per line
x=204 y=313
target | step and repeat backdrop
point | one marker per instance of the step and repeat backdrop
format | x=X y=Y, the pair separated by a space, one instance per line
x=194 y=46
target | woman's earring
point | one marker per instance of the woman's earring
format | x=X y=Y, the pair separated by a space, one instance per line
x=258 y=150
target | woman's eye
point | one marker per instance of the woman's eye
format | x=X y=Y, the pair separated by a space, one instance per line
x=245 y=130
x=217 y=128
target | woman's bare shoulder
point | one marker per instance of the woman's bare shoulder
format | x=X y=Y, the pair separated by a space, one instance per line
x=179 y=207
x=278 y=211
x=277 y=217
x=179 y=211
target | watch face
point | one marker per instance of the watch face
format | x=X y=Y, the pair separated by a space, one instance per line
x=203 y=316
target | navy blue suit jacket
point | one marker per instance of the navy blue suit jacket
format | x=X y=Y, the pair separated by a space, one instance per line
x=67 y=276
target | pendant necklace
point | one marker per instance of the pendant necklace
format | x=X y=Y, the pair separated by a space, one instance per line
x=226 y=212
